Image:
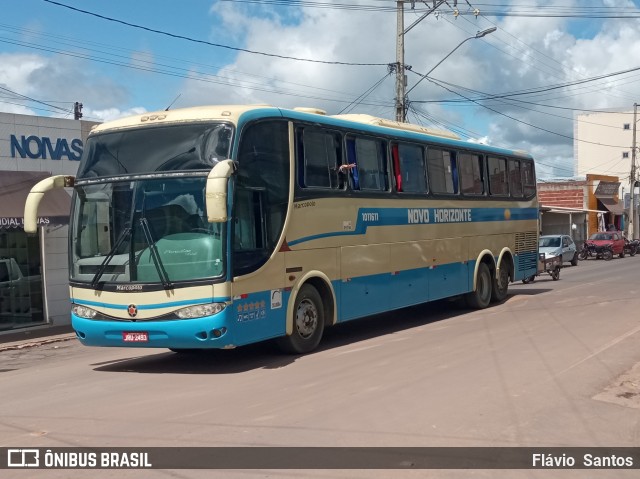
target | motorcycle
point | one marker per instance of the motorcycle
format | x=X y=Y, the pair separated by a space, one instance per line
x=631 y=247
x=591 y=250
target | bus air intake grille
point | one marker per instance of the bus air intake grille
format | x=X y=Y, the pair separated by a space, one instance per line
x=527 y=250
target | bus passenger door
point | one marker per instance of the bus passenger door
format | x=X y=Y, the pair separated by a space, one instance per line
x=258 y=315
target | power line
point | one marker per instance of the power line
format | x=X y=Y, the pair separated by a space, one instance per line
x=205 y=42
x=521 y=121
x=366 y=93
x=34 y=100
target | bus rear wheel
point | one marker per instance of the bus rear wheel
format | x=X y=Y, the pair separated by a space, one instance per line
x=500 y=285
x=308 y=322
x=481 y=297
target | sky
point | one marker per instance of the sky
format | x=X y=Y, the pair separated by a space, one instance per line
x=519 y=87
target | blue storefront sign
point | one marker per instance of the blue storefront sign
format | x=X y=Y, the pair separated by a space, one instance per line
x=36 y=147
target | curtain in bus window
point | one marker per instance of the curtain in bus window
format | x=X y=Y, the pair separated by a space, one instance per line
x=395 y=158
x=471 y=174
x=371 y=165
x=498 y=179
x=321 y=159
x=412 y=168
x=441 y=171
x=351 y=160
x=515 y=178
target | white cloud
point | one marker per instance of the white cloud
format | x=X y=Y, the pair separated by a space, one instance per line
x=111 y=113
x=524 y=53
x=59 y=81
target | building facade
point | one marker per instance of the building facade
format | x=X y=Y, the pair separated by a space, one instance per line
x=34 y=275
x=580 y=208
x=603 y=143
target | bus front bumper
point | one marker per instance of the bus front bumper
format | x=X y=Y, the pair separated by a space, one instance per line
x=209 y=332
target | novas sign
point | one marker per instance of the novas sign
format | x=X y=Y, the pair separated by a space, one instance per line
x=43 y=148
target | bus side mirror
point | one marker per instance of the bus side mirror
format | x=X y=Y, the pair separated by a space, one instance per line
x=35 y=196
x=217 y=190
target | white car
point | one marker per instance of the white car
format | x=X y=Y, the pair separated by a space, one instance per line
x=559 y=245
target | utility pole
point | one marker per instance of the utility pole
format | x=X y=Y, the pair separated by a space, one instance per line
x=632 y=180
x=77 y=110
x=401 y=78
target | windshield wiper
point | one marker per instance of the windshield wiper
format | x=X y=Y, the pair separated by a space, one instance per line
x=125 y=232
x=175 y=157
x=162 y=273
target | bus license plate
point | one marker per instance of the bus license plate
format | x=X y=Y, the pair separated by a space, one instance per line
x=135 y=337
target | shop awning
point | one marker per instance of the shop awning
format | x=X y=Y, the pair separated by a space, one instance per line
x=607 y=194
x=14 y=188
x=612 y=205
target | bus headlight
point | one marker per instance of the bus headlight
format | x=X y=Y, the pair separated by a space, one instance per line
x=83 y=311
x=200 y=310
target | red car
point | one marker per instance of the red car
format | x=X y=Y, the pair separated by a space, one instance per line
x=604 y=245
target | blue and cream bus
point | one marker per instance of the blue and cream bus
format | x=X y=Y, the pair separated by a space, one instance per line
x=220 y=226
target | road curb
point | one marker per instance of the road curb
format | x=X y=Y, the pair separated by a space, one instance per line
x=33 y=343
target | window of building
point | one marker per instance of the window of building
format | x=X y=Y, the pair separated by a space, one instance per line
x=409 y=168
x=626 y=126
x=471 y=173
x=442 y=171
x=625 y=154
x=21 y=301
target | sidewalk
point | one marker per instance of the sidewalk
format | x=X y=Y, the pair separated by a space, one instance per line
x=35 y=337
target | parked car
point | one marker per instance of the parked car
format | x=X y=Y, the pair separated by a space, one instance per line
x=559 y=245
x=608 y=239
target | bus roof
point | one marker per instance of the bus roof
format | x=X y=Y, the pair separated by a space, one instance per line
x=373 y=120
x=233 y=114
x=229 y=113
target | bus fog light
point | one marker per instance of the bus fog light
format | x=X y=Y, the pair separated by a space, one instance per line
x=200 y=310
x=218 y=332
x=83 y=311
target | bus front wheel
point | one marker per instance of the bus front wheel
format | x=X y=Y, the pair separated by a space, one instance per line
x=481 y=297
x=308 y=322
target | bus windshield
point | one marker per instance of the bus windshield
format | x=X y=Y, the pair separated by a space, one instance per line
x=194 y=146
x=144 y=230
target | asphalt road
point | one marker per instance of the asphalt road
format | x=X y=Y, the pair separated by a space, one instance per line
x=555 y=365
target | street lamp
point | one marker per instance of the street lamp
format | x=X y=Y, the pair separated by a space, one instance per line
x=480 y=34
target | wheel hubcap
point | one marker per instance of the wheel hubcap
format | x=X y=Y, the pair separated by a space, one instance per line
x=306 y=318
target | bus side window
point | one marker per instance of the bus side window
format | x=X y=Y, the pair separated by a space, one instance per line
x=442 y=171
x=410 y=168
x=261 y=193
x=319 y=157
x=498 y=179
x=370 y=158
x=528 y=178
x=471 y=173
x=515 y=178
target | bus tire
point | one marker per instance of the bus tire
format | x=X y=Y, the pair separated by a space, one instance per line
x=500 y=286
x=308 y=322
x=481 y=297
